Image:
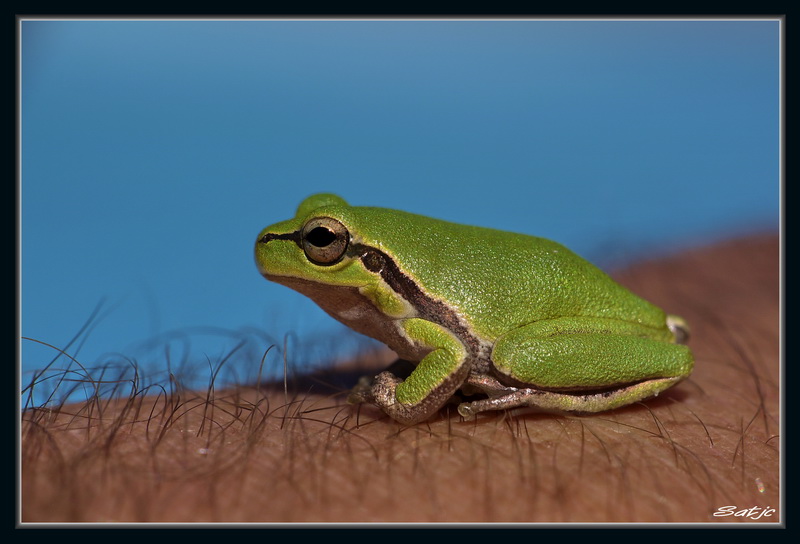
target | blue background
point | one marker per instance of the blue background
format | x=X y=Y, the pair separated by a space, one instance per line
x=153 y=152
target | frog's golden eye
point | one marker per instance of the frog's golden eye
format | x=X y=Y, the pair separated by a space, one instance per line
x=325 y=240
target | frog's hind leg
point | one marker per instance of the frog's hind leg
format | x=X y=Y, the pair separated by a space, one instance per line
x=583 y=365
x=567 y=402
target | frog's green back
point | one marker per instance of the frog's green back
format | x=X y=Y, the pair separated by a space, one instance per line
x=497 y=280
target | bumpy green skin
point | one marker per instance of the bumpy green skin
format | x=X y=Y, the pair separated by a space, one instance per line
x=515 y=311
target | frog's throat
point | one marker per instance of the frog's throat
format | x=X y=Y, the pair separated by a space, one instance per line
x=427 y=307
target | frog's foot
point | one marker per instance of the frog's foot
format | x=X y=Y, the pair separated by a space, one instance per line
x=362 y=392
x=381 y=393
x=568 y=402
x=382 y=390
x=379 y=390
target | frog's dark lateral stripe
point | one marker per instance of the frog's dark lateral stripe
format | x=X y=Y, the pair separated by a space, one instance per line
x=379 y=262
x=428 y=308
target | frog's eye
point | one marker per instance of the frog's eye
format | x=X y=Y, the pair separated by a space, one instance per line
x=325 y=240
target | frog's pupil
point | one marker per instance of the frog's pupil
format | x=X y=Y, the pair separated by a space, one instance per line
x=320 y=237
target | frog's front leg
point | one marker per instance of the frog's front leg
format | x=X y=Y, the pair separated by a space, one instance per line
x=429 y=386
x=583 y=365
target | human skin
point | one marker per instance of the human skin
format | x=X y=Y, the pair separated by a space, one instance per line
x=265 y=455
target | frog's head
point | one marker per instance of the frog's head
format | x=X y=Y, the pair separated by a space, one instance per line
x=324 y=247
x=307 y=245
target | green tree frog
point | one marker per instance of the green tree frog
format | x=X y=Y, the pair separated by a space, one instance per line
x=520 y=320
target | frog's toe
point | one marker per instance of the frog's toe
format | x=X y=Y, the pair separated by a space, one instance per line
x=357 y=397
x=465 y=410
x=362 y=391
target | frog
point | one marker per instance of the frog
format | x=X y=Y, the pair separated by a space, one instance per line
x=487 y=319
